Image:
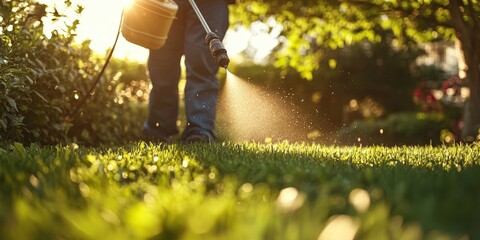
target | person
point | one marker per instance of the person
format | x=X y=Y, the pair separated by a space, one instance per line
x=186 y=38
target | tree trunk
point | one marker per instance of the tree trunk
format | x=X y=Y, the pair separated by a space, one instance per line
x=471 y=114
x=468 y=37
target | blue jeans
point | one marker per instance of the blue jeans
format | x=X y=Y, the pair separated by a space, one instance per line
x=186 y=37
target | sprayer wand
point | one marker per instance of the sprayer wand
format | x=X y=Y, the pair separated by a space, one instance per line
x=217 y=49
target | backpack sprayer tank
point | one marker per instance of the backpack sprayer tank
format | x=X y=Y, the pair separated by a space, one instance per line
x=147 y=22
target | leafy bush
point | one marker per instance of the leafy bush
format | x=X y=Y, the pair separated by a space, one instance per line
x=44 y=78
x=115 y=113
x=397 y=129
x=17 y=90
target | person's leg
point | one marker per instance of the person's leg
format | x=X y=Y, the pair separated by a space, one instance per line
x=201 y=90
x=164 y=72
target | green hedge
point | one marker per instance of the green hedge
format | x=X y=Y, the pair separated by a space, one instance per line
x=43 y=78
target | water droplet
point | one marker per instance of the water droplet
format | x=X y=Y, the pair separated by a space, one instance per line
x=360 y=199
x=290 y=199
x=339 y=227
x=247 y=187
x=34 y=181
x=185 y=163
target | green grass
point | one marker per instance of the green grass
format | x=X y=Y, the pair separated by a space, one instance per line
x=239 y=191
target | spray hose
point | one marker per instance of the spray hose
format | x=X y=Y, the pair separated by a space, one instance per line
x=90 y=92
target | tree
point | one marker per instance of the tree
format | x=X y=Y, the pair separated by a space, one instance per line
x=312 y=25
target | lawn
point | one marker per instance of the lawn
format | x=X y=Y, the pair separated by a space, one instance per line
x=239 y=191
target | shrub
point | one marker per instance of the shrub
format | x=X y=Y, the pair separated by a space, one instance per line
x=44 y=78
x=115 y=113
x=22 y=91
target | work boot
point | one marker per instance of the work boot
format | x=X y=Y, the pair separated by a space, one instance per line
x=152 y=135
x=198 y=138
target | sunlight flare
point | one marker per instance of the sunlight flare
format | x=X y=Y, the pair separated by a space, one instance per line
x=127 y=3
x=98 y=22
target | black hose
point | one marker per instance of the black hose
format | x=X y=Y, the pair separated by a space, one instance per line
x=75 y=110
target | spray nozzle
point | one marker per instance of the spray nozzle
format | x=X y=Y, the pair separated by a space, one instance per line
x=217 y=49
